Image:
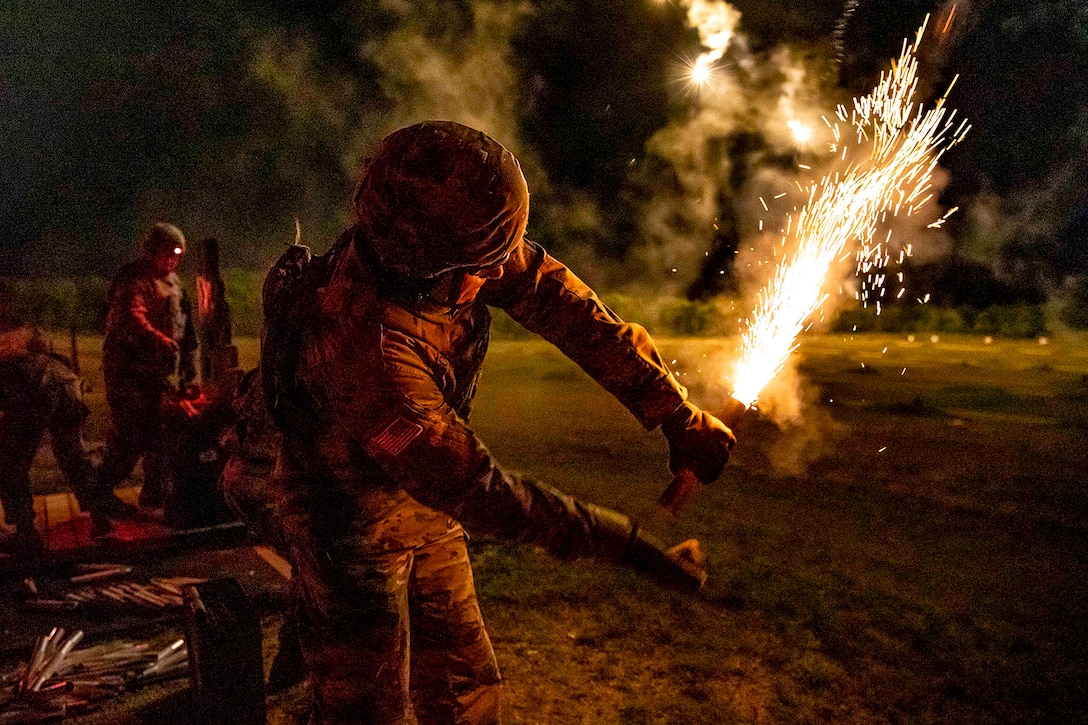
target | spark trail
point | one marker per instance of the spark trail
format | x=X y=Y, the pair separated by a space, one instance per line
x=901 y=143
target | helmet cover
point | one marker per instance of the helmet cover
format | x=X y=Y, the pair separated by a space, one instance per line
x=161 y=237
x=439 y=196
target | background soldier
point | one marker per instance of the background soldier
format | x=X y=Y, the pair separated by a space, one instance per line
x=39 y=392
x=149 y=338
x=370 y=376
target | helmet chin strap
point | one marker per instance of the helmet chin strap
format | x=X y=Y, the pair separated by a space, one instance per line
x=456 y=280
x=413 y=290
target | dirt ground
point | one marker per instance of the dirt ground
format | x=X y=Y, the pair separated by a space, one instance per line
x=905 y=545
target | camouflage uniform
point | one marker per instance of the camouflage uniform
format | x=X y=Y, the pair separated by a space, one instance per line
x=39 y=392
x=378 y=487
x=379 y=470
x=145 y=314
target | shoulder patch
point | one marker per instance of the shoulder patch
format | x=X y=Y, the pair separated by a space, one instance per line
x=397 y=435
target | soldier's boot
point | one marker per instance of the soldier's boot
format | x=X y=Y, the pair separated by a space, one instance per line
x=106 y=508
x=22 y=543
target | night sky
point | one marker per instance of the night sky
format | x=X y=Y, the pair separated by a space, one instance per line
x=234 y=119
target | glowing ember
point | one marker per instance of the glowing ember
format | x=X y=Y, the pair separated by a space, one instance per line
x=802 y=134
x=903 y=142
x=700 y=71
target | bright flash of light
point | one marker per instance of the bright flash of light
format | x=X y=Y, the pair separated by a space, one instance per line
x=700 y=71
x=904 y=141
x=802 y=134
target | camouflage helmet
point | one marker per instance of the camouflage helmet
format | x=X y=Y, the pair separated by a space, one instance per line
x=439 y=196
x=160 y=237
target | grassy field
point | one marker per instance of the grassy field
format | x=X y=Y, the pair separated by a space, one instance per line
x=912 y=550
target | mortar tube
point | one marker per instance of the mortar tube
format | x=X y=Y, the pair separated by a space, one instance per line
x=177 y=660
x=47 y=645
x=101 y=574
x=169 y=650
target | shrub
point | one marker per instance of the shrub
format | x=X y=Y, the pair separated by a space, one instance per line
x=949 y=320
x=1073 y=306
x=1075 y=314
x=1017 y=321
x=58 y=303
x=243 y=290
x=1012 y=321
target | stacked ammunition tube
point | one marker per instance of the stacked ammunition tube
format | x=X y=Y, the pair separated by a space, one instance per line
x=105 y=585
x=59 y=680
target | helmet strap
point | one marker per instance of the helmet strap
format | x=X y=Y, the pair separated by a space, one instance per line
x=457 y=280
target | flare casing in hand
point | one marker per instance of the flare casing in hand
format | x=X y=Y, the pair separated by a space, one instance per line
x=685 y=484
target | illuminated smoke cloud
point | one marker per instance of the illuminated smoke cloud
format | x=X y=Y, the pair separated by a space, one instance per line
x=424 y=73
x=698 y=175
x=468 y=80
x=780 y=98
x=716 y=22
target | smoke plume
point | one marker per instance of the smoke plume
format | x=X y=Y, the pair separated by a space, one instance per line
x=450 y=62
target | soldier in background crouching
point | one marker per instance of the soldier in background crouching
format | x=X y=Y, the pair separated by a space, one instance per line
x=40 y=392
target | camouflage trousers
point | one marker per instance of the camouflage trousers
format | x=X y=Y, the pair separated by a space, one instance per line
x=57 y=407
x=394 y=638
x=136 y=431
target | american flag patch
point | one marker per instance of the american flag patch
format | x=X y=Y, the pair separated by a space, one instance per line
x=397 y=435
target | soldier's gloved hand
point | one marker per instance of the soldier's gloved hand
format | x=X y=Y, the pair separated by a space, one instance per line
x=616 y=538
x=682 y=566
x=698 y=442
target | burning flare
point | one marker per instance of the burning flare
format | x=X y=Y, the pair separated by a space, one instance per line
x=904 y=143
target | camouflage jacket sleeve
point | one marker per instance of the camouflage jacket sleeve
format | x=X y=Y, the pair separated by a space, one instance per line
x=127 y=318
x=542 y=295
x=376 y=388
